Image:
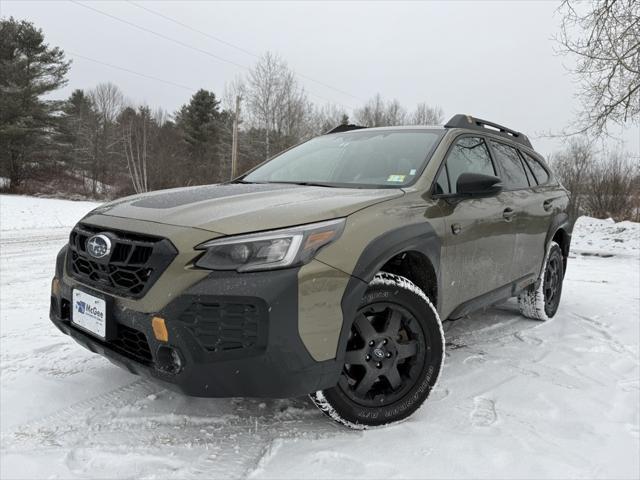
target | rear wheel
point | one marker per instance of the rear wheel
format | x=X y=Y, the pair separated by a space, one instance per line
x=541 y=302
x=393 y=358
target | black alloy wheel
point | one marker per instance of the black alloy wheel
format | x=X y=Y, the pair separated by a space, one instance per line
x=392 y=359
x=384 y=356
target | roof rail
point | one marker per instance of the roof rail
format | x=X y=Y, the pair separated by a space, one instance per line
x=344 y=128
x=467 y=121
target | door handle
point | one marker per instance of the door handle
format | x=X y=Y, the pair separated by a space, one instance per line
x=547 y=204
x=508 y=214
x=456 y=228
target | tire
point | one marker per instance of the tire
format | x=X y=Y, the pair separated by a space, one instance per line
x=394 y=356
x=542 y=303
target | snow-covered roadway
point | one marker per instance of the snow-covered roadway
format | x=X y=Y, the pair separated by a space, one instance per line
x=517 y=399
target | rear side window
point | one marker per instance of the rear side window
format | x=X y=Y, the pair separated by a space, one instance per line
x=513 y=172
x=468 y=155
x=538 y=170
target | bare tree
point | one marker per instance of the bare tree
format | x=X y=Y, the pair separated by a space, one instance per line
x=276 y=102
x=107 y=101
x=425 y=114
x=612 y=188
x=135 y=143
x=372 y=114
x=573 y=168
x=603 y=37
x=327 y=117
x=379 y=113
x=236 y=88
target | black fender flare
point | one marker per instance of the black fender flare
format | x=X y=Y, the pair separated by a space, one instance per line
x=419 y=237
x=560 y=221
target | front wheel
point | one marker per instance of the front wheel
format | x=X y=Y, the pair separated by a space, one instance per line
x=394 y=355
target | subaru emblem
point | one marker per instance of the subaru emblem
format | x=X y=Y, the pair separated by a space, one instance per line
x=98 y=246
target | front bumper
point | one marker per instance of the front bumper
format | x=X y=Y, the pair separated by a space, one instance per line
x=235 y=334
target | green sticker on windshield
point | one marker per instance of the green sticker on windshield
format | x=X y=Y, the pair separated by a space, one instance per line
x=396 y=178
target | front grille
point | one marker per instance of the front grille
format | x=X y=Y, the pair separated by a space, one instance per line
x=132 y=343
x=134 y=264
x=222 y=327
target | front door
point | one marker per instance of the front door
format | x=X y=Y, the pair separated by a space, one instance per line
x=479 y=243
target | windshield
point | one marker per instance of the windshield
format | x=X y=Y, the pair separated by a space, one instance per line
x=378 y=158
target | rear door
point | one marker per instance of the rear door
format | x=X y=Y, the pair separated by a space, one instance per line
x=479 y=244
x=530 y=217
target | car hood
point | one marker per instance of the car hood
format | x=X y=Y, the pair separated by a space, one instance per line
x=230 y=209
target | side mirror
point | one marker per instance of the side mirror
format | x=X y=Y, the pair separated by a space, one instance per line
x=478 y=185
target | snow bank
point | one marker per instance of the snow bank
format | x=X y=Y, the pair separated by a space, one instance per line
x=21 y=212
x=605 y=237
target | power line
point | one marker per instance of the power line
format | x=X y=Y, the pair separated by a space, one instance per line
x=147 y=30
x=186 y=45
x=189 y=27
x=110 y=65
x=241 y=49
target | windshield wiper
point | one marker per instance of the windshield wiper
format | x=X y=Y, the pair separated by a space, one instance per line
x=309 y=184
x=246 y=182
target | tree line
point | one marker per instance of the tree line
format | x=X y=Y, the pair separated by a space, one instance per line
x=604 y=183
x=98 y=143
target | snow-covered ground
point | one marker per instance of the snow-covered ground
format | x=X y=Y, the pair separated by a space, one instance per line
x=517 y=399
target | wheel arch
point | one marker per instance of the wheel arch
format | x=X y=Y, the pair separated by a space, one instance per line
x=417 y=267
x=406 y=249
x=560 y=232
x=561 y=237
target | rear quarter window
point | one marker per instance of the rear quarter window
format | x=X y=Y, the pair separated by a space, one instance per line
x=541 y=174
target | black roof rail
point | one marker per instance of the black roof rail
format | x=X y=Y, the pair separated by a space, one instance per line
x=467 y=121
x=344 y=128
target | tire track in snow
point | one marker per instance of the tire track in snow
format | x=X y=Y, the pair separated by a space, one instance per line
x=40 y=430
x=222 y=438
x=17 y=239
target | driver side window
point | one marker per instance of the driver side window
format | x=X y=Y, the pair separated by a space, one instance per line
x=468 y=155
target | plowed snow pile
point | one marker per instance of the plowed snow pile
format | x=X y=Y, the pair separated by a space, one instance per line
x=517 y=398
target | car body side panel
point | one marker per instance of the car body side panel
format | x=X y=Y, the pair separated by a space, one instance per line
x=365 y=226
x=320 y=290
x=370 y=239
x=532 y=224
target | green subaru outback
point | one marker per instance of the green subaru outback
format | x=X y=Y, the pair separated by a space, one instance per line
x=326 y=270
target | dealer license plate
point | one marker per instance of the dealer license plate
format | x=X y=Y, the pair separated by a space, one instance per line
x=89 y=313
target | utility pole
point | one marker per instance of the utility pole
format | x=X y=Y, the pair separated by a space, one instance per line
x=234 y=141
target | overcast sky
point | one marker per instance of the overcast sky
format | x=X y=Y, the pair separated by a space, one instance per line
x=493 y=60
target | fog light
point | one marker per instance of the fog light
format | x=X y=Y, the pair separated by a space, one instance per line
x=55 y=287
x=168 y=360
x=160 y=329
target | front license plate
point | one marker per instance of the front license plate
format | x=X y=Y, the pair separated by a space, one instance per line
x=89 y=313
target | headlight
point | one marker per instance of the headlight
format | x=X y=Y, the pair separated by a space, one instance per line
x=268 y=250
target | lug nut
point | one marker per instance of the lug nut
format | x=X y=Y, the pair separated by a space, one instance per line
x=371 y=343
x=367 y=358
x=379 y=365
x=384 y=342
x=388 y=355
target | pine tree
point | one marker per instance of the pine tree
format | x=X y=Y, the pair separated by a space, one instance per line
x=29 y=69
x=205 y=130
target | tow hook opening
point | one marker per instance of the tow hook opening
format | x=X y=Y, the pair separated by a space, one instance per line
x=168 y=360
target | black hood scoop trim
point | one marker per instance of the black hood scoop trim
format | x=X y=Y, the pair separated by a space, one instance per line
x=178 y=198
